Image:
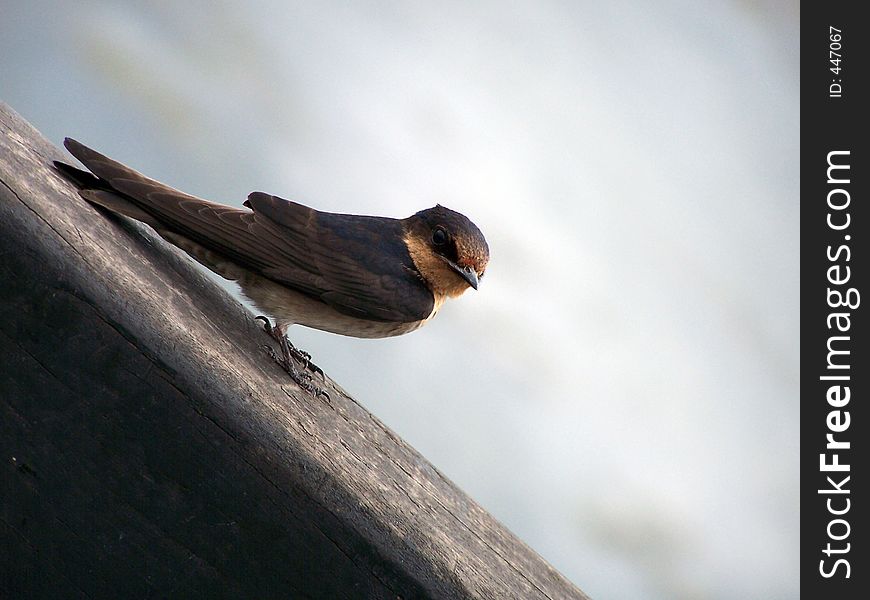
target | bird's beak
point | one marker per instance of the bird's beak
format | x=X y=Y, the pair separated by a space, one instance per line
x=470 y=275
x=467 y=273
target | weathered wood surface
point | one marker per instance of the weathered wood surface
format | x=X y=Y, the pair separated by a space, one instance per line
x=149 y=448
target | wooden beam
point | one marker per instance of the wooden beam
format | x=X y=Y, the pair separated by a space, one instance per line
x=149 y=447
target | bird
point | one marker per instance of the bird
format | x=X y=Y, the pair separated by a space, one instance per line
x=354 y=275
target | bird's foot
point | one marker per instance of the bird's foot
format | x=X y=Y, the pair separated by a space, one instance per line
x=290 y=354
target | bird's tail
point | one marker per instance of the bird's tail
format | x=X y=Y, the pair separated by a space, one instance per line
x=98 y=191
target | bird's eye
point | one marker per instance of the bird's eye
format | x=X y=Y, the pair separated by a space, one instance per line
x=439 y=237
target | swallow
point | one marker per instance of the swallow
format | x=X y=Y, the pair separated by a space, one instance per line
x=354 y=275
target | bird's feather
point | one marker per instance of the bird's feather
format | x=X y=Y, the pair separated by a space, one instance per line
x=358 y=265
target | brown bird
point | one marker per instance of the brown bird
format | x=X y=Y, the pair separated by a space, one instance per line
x=361 y=276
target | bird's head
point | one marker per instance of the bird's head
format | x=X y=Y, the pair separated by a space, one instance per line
x=448 y=250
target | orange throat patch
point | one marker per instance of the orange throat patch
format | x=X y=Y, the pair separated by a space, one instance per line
x=442 y=280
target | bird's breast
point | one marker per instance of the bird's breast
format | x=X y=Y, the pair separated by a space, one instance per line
x=290 y=307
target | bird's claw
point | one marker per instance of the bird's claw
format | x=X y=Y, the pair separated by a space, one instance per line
x=267 y=324
x=289 y=352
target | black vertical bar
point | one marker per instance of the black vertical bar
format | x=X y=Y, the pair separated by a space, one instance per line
x=834 y=370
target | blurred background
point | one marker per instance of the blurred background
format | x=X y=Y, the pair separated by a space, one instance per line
x=624 y=390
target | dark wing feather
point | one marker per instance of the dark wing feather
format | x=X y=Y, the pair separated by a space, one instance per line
x=358 y=265
x=361 y=263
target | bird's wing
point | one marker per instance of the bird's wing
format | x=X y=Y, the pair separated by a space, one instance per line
x=358 y=265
